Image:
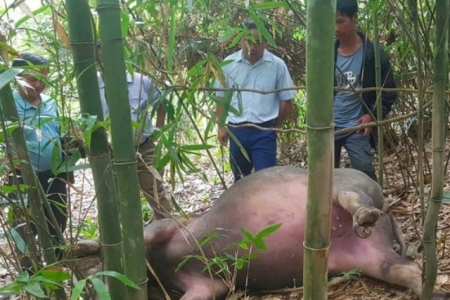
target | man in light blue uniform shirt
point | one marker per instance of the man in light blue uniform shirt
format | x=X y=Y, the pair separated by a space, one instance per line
x=39 y=114
x=143 y=94
x=253 y=67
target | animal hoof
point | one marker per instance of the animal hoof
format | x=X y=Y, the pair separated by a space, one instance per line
x=364 y=220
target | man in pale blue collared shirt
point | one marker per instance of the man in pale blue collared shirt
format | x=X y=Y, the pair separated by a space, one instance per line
x=142 y=94
x=39 y=114
x=253 y=67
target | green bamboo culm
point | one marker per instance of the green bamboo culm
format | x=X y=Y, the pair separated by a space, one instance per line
x=83 y=46
x=420 y=110
x=320 y=130
x=36 y=195
x=125 y=164
x=439 y=123
x=378 y=92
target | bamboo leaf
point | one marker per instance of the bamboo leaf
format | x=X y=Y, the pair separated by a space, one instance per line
x=125 y=23
x=34 y=13
x=18 y=240
x=8 y=48
x=269 y=5
x=195 y=147
x=78 y=289
x=8 y=76
x=46 y=283
x=247 y=234
x=23 y=277
x=122 y=278
x=12 y=288
x=25 y=9
x=172 y=32
x=62 y=34
x=100 y=288
x=268 y=231
x=259 y=243
x=55 y=275
x=35 y=290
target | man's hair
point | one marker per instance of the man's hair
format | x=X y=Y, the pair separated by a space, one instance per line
x=249 y=24
x=347 y=8
x=30 y=59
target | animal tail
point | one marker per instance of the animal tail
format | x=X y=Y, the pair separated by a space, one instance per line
x=396 y=229
x=398 y=236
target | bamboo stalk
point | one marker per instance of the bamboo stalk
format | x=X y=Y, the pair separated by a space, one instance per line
x=83 y=46
x=36 y=195
x=320 y=129
x=420 y=109
x=438 y=143
x=379 y=101
x=125 y=163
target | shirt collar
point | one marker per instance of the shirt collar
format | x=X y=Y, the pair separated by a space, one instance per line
x=101 y=83
x=26 y=105
x=267 y=56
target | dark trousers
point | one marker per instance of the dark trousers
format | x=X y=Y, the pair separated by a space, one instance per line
x=359 y=151
x=259 y=149
x=56 y=192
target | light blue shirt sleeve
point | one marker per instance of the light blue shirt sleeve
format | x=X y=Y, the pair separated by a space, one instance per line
x=285 y=81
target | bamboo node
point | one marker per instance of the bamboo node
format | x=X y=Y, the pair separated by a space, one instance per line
x=124 y=163
x=316 y=249
x=143 y=283
x=99 y=157
x=320 y=128
x=112 y=245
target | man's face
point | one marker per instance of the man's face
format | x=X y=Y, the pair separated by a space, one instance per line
x=33 y=79
x=344 y=26
x=253 y=48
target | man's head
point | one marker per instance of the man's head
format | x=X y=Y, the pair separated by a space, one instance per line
x=346 y=18
x=38 y=67
x=253 y=46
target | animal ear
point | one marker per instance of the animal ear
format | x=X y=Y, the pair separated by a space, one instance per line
x=159 y=231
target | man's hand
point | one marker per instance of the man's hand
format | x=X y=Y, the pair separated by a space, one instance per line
x=222 y=135
x=364 y=120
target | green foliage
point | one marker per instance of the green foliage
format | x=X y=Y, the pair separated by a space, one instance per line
x=99 y=285
x=351 y=273
x=89 y=228
x=258 y=239
x=146 y=211
x=34 y=285
x=222 y=261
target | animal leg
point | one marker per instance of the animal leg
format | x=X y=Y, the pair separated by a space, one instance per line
x=396 y=270
x=205 y=289
x=360 y=206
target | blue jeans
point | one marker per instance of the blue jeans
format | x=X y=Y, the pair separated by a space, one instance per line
x=259 y=146
x=359 y=151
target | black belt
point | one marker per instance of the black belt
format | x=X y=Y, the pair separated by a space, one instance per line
x=270 y=123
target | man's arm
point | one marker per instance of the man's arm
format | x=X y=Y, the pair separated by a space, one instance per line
x=160 y=115
x=222 y=134
x=285 y=106
x=388 y=98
